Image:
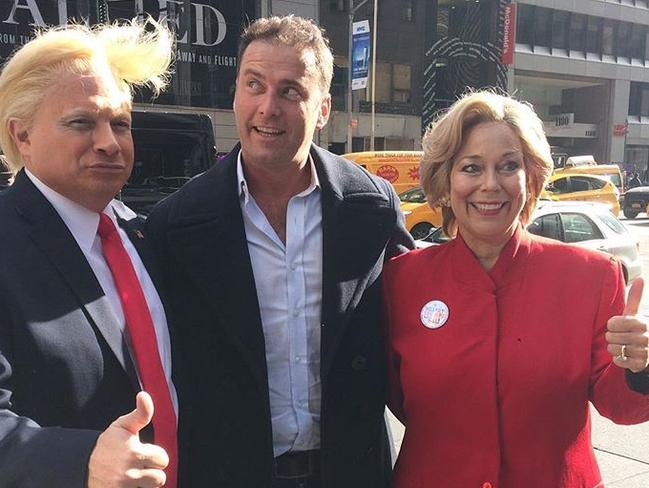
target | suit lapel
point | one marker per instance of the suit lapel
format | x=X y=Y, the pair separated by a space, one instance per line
x=357 y=225
x=49 y=233
x=133 y=229
x=209 y=239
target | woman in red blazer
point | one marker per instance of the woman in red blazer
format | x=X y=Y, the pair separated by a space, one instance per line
x=498 y=339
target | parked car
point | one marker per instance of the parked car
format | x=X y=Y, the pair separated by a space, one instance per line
x=636 y=201
x=420 y=218
x=584 y=224
x=585 y=188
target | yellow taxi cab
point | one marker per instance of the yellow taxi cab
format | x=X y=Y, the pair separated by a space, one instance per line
x=586 y=165
x=583 y=187
x=401 y=168
x=420 y=218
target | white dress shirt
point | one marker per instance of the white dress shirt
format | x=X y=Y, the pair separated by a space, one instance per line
x=288 y=279
x=83 y=224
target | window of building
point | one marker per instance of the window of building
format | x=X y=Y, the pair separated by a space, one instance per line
x=443 y=16
x=622 y=44
x=593 y=35
x=338 y=5
x=608 y=37
x=560 y=20
x=383 y=82
x=577 y=39
x=637 y=41
x=525 y=24
x=338 y=88
x=637 y=158
x=401 y=83
x=407 y=7
x=639 y=99
x=542 y=26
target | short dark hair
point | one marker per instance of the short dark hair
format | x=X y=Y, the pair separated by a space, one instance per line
x=295 y=32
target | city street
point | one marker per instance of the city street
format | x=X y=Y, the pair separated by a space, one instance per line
x=622 y=451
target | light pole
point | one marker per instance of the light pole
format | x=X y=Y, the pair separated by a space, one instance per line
x=352 y=11
x=373 y=96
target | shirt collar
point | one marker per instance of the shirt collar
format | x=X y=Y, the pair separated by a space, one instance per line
x=242 y=184
x=82 y=222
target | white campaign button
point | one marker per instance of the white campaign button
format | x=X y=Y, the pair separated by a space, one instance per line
x=434 y=314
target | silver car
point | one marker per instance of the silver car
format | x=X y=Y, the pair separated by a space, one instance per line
x=585 y=224
x=589 y=225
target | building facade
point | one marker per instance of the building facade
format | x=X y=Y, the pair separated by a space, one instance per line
x=427 y=53
x=584 y=65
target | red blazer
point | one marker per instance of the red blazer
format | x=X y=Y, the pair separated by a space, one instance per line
x=497 y=396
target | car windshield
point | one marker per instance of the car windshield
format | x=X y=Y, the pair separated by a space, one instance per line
x=414 y=195
x=612 y=223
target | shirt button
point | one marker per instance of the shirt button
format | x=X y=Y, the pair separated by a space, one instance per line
x=486 y=484
x=359 y=363
x=296 y=312
x=293 y=266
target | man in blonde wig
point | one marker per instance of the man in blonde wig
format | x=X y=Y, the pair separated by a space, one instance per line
x=82 y=328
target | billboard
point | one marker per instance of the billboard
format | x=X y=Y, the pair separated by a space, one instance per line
x=360 y=54
x=207 y=33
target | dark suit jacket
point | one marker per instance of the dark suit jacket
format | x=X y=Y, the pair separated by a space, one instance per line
x=65 y=370
x=200 y=236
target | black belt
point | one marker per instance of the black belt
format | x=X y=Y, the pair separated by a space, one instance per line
x=297 y=464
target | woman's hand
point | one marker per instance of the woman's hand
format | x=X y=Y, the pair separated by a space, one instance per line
x=628 y=334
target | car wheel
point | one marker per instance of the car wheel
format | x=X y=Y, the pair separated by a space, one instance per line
x=421 y=230
x=630 y=214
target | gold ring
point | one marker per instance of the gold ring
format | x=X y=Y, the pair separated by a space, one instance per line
x=622 y=356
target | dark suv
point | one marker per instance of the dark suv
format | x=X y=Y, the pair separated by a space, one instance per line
x=170 y=148
x=635 y=201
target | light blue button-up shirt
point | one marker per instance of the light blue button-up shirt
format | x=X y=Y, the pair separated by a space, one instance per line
x=288 y=278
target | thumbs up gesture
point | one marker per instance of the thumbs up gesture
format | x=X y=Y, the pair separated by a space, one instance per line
x=119 y=459
x=628 y=334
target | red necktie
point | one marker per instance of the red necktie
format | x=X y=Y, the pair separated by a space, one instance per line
x=143 y=342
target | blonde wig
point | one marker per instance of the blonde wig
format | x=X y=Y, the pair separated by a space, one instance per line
x=134 y=54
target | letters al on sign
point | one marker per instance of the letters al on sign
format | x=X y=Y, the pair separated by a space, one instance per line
x=207 y=33
x=360 y=54
x=509 y=35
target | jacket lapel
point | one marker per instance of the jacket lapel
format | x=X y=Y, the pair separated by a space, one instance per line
x=208 y=237
x=49 y=233
x=357 y=224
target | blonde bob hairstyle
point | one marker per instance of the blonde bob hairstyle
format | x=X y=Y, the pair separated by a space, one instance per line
x=445 y=137
x=134 y=53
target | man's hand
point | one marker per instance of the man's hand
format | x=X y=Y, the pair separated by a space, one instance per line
x=119 y=459
x=628 y=335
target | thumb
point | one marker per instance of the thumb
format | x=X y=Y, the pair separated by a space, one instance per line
x=634 y=297
x=139 y=418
